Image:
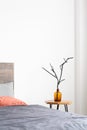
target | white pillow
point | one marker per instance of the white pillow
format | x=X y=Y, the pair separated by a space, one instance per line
x=6 y=89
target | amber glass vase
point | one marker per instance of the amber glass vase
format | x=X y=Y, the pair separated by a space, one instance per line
x=57 y=95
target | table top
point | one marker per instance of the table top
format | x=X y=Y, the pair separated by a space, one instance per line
x=57 y=102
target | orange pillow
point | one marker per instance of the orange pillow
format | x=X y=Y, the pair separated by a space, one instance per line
x=10 y=101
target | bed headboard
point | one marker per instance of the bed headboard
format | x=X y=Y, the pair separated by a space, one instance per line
x=6 y=72
x=6 y=79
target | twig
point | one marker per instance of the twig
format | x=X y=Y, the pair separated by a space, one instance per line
x=48 y=72
x=61 y=67
x=54 y=72
x=61 y=71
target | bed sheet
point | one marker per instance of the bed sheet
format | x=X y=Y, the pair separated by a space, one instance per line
x=37 y=117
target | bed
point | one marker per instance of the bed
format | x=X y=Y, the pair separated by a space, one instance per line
x=17 y=115
x=37 y=117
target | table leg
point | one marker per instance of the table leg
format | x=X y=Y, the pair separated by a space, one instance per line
x=50 y=105
x=66 y=107
x=57 y=106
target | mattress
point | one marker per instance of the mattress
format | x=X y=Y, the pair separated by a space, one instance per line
x=37 y=117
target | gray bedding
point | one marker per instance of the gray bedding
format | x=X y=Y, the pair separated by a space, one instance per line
x=36 y=117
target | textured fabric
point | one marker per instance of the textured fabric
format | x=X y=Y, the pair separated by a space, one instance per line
x=35 y=117
x=7 y=89
x=10 y=101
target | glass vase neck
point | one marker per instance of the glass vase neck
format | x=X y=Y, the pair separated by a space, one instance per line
x=57 y=89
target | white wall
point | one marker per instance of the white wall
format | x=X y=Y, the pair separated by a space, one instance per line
x=81 y=56
x=34 y=33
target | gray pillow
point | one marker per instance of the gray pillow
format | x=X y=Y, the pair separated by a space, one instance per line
x=6 y=89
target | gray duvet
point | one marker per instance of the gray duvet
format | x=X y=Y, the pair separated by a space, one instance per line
x=36 y=117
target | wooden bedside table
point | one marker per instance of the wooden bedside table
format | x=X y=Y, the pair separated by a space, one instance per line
x=63 y=102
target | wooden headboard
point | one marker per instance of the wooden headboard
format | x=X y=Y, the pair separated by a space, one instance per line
x=6 y=72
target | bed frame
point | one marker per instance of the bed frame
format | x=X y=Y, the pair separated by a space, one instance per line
x=6 y=72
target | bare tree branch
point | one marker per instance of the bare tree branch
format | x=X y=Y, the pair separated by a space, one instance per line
x=61 y=67
x=48 y=72
x=65 y=61
x=62 y=80
x=61 y=71
x=54 y=71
